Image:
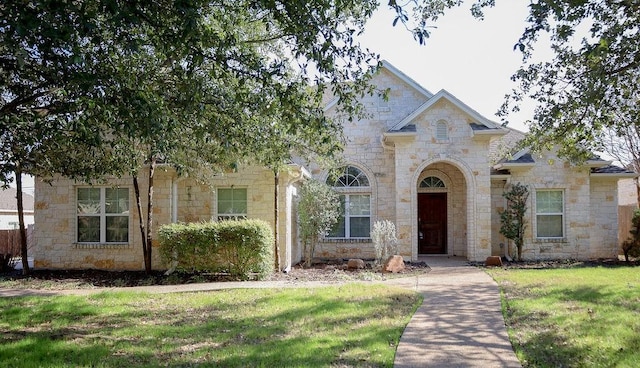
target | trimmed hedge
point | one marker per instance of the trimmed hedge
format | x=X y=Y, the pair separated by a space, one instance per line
x=240 y=248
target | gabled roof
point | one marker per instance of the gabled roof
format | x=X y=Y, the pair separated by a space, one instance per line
x=481 y=126
x=598 y=166
x=522 y=158
x=398 y=74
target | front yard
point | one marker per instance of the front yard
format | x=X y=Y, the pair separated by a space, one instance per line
x=340 y=326
x=574 y=317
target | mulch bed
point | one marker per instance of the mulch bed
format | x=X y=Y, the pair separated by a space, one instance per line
x=323 y=272
x=329 y=272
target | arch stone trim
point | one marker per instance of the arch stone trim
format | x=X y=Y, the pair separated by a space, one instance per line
x=470 y=181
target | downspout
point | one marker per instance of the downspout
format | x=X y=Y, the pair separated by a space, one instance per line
x=302 y=174
x=174 y=200
x=174 y=219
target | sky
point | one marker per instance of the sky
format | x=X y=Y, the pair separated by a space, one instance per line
x=472 y=59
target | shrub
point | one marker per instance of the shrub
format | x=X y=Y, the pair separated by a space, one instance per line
x=238 y=247
x=512 y=218
x=631 y=246
x=384 y=239
x=319 y=210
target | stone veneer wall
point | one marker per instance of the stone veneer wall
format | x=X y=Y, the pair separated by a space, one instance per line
x=498 y=204
x=55 y=232
x=468 y=155
x=395 y=167
x=590 y=217
x=627 y=192
x=365 y=150
x=604 y=219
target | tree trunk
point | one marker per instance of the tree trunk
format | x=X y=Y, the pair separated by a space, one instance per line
x=143 y=233
x=149 y=242
x=23 y=231
x=276 y=194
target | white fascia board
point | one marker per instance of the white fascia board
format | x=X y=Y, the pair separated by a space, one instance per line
x=597 y=163
x=614 y=175
x=456 y=102
x=405 y=78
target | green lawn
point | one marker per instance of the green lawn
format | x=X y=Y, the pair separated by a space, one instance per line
x=576 y=317
x=351 y=325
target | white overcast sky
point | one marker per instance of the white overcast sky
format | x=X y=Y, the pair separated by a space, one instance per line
x=473 y=59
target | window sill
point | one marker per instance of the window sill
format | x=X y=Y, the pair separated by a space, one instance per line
x=550 y=240
x=346 y=240
x=102 y=245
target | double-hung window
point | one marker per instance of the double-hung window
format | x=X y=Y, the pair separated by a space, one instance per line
x=549 y=214
x=102 y=215
x=232 y=203
x=355 y=203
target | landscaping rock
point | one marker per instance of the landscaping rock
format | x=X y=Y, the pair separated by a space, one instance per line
x=355 y=264
x=493 y=261
x=394 y=264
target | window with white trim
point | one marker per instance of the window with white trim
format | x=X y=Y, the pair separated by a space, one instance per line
x=102 y=215
x=549 y=214
x=355 y=202
x=232 y=203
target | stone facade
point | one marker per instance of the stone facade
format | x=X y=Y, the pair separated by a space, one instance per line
x=414 y=134
x=175 y=199
x=427 y=162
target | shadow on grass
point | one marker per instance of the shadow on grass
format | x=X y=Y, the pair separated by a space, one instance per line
x=104 y=331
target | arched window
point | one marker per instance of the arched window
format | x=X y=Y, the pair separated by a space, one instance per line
x=351 y=177
x=355 y=202
x=431 y=182
x=442 y=132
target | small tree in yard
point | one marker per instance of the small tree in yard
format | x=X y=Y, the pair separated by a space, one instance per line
x=512 y=218
x=631 y=246
x=384 y=239
x=319 y=210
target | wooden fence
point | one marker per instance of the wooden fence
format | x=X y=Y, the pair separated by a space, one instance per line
x=625 y=214
x=10 y=242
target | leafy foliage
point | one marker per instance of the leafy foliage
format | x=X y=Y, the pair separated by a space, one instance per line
x=384 y=239
x=631 y=246
x=591 y=86
x=512 y=224
x=588 y=90
x=237 y=247
x=96 y=88
x=318 y=211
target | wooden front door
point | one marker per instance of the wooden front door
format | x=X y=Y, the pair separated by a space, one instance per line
x=432 y=223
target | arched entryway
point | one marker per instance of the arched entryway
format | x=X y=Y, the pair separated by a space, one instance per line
x=441 y=210
x=432 y=216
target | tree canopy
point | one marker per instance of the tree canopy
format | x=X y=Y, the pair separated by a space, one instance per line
x=592 y=84
x=90 y=88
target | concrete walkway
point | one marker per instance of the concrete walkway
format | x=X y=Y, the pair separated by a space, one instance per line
x=460 y=322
